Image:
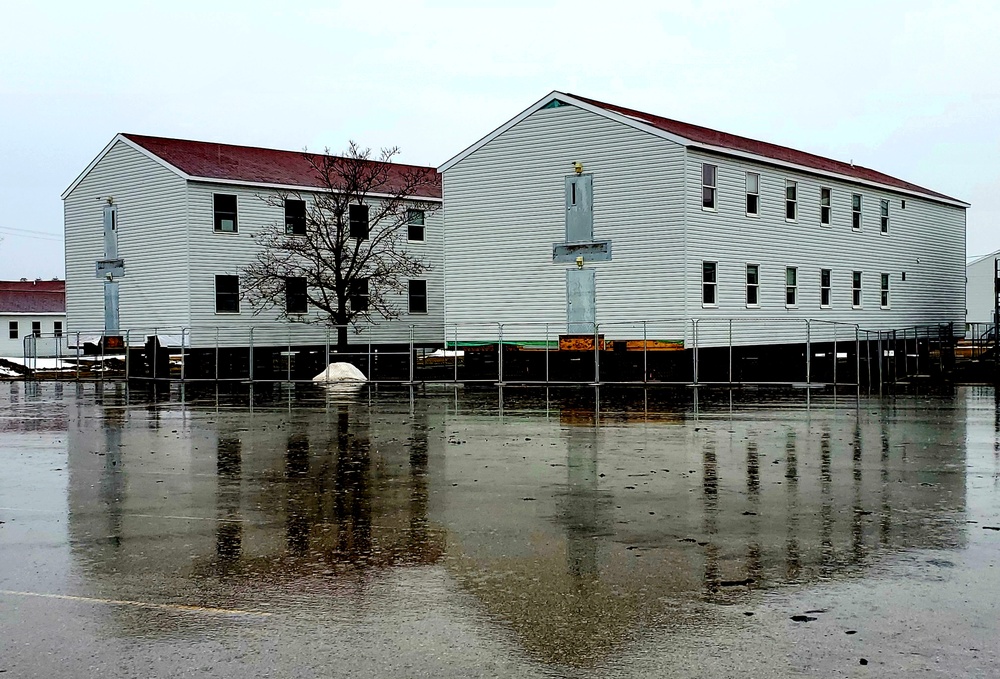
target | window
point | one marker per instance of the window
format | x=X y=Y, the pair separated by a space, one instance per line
x=791 y=200
x=885 y=291
x=227 y=294
x=791 y=285
x=824 y=288
x=358 y=220
x=296 y=297
x=418 y=297
x=12 y=331
x=57 y=328
x=415 y=224
x=824 y=206
x=753 y=194
x=753 y=284
x=358 y=296
x=708 y=283
x=884 y=215
x=225 y=212
x=856 y=289
x=708 y=173
x=36 y=328
x=902 y=204
x=856 y=211
x=295 y=217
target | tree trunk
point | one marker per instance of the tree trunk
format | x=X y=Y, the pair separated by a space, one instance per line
x=341 y=339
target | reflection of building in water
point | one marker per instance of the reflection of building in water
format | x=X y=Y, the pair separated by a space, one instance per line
x=596 y=531
x=209 y=507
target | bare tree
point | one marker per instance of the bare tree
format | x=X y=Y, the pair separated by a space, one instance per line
x=346 y=253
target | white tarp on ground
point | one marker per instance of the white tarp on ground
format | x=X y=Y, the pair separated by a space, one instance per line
x=341 y=372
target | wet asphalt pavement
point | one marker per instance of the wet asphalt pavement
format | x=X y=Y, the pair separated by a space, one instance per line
x=473 y=533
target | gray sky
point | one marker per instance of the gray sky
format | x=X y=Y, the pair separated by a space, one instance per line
x=908 y=88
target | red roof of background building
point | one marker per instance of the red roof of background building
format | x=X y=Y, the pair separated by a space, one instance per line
x=253 y=165
x=32 y=297
x=704 y=135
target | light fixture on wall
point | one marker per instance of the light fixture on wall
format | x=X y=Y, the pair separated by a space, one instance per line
x=579 y=262
x=578 y=167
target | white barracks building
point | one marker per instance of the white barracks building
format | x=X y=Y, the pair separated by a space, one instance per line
x=577 y=212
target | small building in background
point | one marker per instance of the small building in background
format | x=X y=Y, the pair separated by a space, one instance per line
x=28 y=308
x=980 y=294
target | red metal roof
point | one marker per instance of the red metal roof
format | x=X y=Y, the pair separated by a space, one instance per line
x=704 y=135
x=253 y=165
x=32 y=297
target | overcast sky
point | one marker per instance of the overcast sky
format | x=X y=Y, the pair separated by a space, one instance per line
x=908 y=88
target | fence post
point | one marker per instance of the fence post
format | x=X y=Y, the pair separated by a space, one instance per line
x=104 y=339
x=217 y=355
x=500 y=353
x=597 y=355
x=857 y=358
x=412 y=356
x=326 y=366
x=546 y=353
x=694 y=349
x=127 y=372
x=251 y=356
x=881 y=358
x=808 y=351
x=455 y=350
x=730 y=352
x=645 y=354
x=288 y=358
x=836 y=329
x=183 y=353
x=77 y=355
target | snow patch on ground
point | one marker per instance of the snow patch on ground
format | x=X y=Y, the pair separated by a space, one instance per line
x=341 y=372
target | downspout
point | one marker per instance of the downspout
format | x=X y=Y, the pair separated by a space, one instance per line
x=684 y=235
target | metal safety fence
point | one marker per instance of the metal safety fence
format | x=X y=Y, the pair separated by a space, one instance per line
x=671 y=350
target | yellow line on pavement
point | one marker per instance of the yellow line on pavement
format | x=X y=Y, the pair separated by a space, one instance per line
x=138 y=604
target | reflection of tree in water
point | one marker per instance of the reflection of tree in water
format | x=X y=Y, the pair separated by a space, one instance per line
x=343 y=505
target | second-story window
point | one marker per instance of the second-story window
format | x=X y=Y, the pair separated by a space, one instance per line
x=824 y=287
x=358 y=221
x=856 y=289
x=884 y=215
x=708 y=283
x=415 y=225
x=856 y=211
x=12 y=331
x=36 y=328
x=824 y=206
x=791 y=286
x=295 y=217
x=885 y=291
x=57 y=328
x=753 y=194
x=791 y=200
x=708 y=189
x=753 y=284
x=224 y=205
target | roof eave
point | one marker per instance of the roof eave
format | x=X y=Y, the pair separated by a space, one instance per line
x=294 y=187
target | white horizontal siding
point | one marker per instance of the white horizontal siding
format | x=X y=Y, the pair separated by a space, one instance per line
x=980 y=293
x=151 y=240
x=926 y=240
x=15 y=347
x=505 y=207
x=214 y=253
